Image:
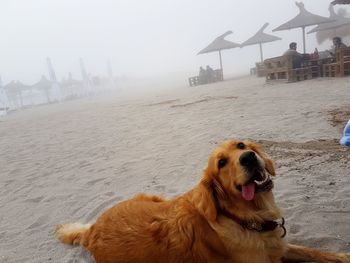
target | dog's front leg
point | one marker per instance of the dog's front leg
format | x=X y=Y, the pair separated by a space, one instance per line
x=296 y=253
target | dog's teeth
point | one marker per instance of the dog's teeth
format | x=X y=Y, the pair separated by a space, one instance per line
x=264 y=180
x=258 y=182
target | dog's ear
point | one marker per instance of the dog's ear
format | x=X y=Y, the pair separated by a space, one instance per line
x=204 y=198
x=269 y=165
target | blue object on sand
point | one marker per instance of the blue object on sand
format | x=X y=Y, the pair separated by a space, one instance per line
x=345 y=140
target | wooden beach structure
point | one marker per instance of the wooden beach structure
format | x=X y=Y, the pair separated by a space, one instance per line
x=281 y=69
x=341 y=66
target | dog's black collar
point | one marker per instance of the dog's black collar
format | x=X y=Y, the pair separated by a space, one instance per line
x=265 y=226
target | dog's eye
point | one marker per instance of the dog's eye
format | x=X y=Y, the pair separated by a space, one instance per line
x=222 y=163
x=241 y=145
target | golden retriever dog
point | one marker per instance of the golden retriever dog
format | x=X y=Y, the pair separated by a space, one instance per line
x=230 y=216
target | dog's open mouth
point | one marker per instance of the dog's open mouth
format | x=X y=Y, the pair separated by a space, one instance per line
x=260 y=182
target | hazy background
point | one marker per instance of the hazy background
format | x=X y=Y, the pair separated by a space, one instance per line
x=141 y=38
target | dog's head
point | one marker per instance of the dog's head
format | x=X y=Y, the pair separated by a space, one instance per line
x=238 y=171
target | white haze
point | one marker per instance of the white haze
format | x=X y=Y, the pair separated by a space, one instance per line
x=141 y=38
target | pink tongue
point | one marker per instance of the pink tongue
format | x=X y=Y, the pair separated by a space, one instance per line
x=248 y=191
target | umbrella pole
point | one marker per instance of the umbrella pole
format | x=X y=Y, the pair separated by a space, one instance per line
x=222 y=72
x=261 y=53
x=304 y=40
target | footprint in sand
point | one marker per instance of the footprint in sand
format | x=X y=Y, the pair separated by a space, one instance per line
x=39 y=222
x=160 y=188
x=172 y=191
x=93 y=182
x=34 y=200
x=294 y=229
x=7 y=182
x=4 y=259
x=110 y=194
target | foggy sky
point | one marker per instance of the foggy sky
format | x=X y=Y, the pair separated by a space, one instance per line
x=140 y=37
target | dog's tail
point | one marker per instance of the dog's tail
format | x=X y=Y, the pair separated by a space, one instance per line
x=73 y=234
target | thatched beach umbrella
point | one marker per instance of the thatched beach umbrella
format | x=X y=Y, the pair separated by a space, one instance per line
x=341 y=2
x=303 y=19
x=219 y=43
x=338 y=21
x=259 y=38
x=14 y=91
x=44 y=85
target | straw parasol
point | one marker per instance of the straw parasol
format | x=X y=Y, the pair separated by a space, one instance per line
x=341 y=2
x=338 y=21
x=259 y=38
x=303 y=19
x=45 y=85
x=14 y=90
x=219 y=43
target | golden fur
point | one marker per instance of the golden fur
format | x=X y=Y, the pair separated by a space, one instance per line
x=192 y=227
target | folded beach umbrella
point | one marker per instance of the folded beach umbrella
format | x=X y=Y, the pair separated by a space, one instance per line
x=219 y=43
x=338 y=21
x=259 y=38
x=303 y=19
x=341 y=2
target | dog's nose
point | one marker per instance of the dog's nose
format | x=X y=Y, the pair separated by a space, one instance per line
x=248 y=159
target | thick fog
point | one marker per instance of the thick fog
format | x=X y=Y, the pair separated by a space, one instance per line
x=141 y=38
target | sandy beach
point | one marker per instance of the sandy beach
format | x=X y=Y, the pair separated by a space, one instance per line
x=69 y=162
